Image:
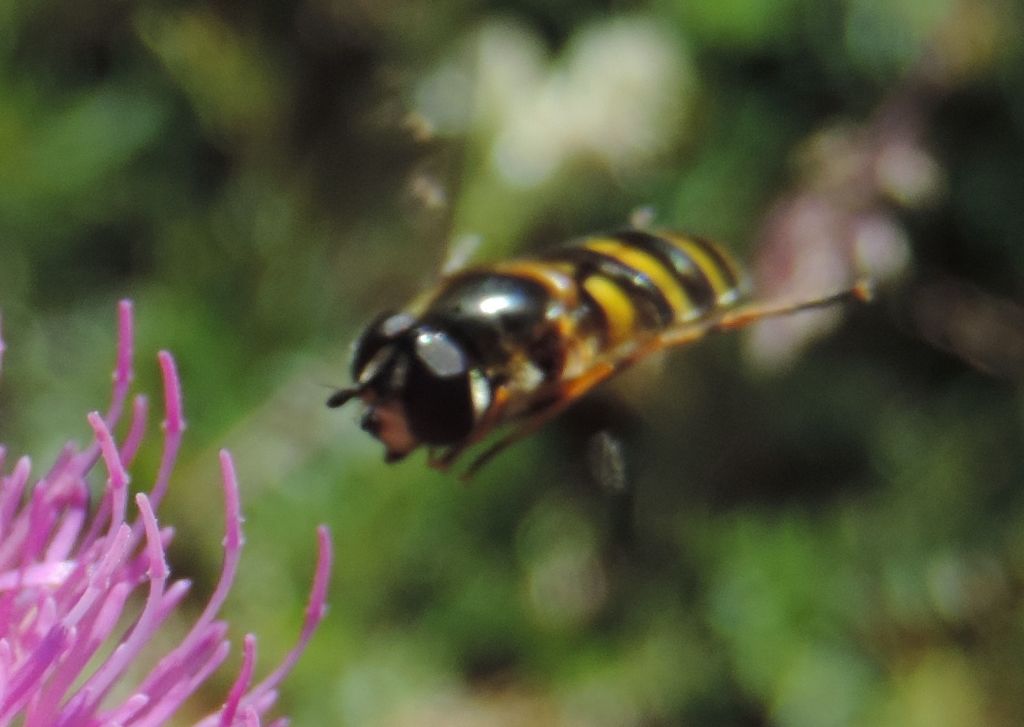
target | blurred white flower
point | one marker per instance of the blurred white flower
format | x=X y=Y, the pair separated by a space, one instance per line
x=618 y=93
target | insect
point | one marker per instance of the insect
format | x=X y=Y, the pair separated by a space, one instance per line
x=515 y=343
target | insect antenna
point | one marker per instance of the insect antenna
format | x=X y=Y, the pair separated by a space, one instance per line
x=341 y=397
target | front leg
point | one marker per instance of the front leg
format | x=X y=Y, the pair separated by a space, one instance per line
x=554 y=403
x=443 y=457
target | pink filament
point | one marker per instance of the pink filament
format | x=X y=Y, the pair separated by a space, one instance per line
x=66 y=576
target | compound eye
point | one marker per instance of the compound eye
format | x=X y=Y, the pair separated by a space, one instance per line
x=440 y=354
x=436 y=394
x=382 y=331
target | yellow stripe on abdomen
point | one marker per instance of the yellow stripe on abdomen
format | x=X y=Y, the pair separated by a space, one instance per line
x=619 y=313
x=719 y=271
x=663 y=279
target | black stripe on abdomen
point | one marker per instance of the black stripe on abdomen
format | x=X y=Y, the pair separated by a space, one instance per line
x=652 y=308
x=688 y=273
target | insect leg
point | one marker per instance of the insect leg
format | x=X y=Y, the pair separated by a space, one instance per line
x=745 y=315
x=444 y=460
x=735 y=318
x=561 y=399
x=568 y=392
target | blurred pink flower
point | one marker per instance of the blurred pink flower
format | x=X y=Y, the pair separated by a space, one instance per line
x=68 y=650
x=841 y=222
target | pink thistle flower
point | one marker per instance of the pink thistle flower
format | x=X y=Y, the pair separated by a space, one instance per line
x=66 y=576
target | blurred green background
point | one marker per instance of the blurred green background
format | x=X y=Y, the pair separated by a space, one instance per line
x=822 y=521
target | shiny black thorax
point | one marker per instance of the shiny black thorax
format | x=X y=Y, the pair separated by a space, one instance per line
x=500 y=321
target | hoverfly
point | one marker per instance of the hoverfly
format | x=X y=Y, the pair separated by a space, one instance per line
x=515 y=343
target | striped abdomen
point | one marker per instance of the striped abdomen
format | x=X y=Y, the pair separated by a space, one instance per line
x=554 y=313
x=635 y=282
